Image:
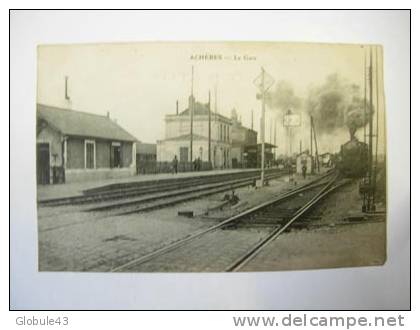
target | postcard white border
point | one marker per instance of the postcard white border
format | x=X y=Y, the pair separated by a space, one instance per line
x=384 y=287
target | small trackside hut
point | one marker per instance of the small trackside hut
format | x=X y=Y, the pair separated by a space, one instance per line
x=79 y=146
x=304 y=159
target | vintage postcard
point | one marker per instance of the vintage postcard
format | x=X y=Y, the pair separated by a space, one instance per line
x=210 y=157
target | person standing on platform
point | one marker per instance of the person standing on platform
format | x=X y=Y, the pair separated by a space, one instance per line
x=175 y=165
x=304 y=171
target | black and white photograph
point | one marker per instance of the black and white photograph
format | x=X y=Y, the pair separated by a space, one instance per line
x=247 y=168
x=210 y=156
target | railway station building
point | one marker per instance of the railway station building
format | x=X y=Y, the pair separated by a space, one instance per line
x=241 y=138
x=178 y=136
x=79 y=146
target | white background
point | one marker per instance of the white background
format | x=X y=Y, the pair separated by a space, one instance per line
x=384 y=287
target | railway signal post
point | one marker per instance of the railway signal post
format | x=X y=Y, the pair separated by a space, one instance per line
x=263 y=82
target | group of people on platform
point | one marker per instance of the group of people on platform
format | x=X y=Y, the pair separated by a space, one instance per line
x=196 y=165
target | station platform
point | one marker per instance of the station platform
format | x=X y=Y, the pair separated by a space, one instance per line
x=45 y=192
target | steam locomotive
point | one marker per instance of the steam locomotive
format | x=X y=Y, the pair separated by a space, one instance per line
x=353 y=159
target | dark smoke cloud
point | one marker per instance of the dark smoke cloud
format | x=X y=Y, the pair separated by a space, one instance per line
x=283 y=98
x=355 y=115
x=336 y=104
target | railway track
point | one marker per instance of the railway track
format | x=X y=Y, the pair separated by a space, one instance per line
x=275 y=215
x=151 y=202
x=283 y=226
x=166 y=199
x=136 y=189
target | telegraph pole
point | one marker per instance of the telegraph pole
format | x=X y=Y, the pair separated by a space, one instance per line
x=209 y=129
x=275 y=138
x=215 y=96
x=365 y=99
x=262 y=126
x=370 y=181
x=316 y=144
x=370 y=162
x=191 y=114
x=365 y=196
x=311 y=137
x=271 y=131
x=377 y=125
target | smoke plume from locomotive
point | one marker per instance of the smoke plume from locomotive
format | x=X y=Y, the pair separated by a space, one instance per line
x=337 y=104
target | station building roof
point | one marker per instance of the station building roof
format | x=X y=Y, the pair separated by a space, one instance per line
x=201 y=109
x=84 y=124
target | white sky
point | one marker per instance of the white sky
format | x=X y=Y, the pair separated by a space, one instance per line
x=138 y=83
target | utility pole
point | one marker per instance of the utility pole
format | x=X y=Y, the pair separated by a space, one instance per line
x=271 y=131
x=209 y=129
x=365 y=196
x=263 y=82
x=370 y=161
x=311 y=137
x=312 y=164
x=316 y=144
x=370 y=181
x=365 y=99
x=275 y=138
x=215 y=97
x=263 y=125
x=191 y=114
x=377 y=125
x=252 y=119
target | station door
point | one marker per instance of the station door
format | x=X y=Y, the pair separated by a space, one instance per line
x=43 y=163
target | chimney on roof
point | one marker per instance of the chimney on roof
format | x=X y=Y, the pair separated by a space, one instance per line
x=66 y=83
x=177 y=111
